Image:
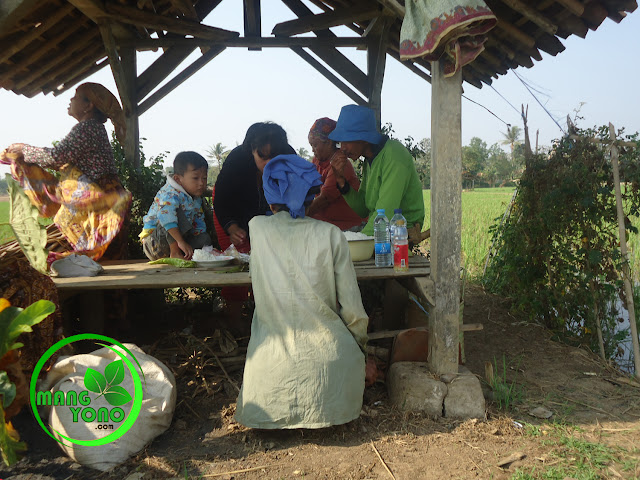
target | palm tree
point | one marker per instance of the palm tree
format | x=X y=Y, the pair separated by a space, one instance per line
x=217 y=153
x=512 y=137
x=304 y=153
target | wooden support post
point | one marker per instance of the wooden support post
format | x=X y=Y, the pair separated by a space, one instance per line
x=132 y=142
x=446 y=218
x=376 y=62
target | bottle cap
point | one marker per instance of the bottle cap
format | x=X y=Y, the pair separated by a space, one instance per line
x=381 y=210
x=397 y=210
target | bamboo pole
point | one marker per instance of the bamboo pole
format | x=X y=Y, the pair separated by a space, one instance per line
x=623 y=250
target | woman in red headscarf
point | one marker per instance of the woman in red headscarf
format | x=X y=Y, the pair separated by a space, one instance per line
x=329 y=205
x=86 y=199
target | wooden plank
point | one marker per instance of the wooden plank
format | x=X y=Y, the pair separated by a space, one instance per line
x=139 y=274
x=93 y=9
x=46 y=47
x=69 y=70
x=533 y=15
x=322 y=21
x=13 y=11
x=446 y=218
x=77 y=78
x=158 y=71
x=179 y=79
x=242 y=42
x=252 y=20
x=24 y=40
x=465 y=327
x=325 y=72
x=134 y=16
x=574 y=6
x=56 y=61
x=514 y=32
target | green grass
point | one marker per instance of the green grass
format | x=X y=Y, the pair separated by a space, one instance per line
x=574 y=457
x=480 y=208
x=6 y=235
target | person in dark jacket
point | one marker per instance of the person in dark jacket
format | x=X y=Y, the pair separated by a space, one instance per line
x=238 y=195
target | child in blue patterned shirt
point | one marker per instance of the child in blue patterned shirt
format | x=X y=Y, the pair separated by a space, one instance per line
x=175 y=224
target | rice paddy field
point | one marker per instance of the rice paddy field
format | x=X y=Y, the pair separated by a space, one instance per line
x=480 y=209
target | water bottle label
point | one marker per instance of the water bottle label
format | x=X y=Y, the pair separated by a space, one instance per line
x=401 y=257
x=383 y=248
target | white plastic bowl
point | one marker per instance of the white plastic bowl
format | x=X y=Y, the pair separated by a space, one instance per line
x=361 y=249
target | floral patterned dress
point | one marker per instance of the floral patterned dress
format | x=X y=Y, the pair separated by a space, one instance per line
x=85 y=198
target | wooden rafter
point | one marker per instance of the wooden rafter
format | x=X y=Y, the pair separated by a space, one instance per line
x=323 y=21
x=268 y=42
x=533 y=15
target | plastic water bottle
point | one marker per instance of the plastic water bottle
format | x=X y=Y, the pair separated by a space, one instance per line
x=400 y=246
x=382 y=240
x=397 y=215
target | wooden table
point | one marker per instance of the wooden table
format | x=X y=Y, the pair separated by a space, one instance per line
x=138 y=274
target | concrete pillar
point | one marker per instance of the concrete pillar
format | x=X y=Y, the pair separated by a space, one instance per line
x=446 y=218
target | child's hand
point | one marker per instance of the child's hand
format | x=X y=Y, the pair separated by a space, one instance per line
x=185 y=250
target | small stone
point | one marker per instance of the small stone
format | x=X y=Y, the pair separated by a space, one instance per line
x=541 y=412
x=135 y=476
x=269 y=445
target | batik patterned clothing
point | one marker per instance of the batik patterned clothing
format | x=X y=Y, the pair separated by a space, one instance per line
x=89 y=209
x=86 y=147
x=451 y=31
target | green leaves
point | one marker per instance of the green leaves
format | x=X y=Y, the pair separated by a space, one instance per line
x=10 y=445
x=31 y=236
x=14 y=321
x=108 y=384
x=7 y=389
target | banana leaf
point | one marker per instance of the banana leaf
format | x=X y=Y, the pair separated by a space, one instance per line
x=31 y=236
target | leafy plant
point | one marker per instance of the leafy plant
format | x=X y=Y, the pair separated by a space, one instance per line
x=143 y=185
x=13 y=322
x=505 y=393
x=557 y=256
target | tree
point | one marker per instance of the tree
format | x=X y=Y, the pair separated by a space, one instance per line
x=423 y=162
x=498 y=168
x=304 y=153
x=474 y=159
x=216 y=155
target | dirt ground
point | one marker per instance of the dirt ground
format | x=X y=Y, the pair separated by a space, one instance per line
x=586 y=398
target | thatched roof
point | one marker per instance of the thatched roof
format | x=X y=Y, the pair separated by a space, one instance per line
x=51 y=45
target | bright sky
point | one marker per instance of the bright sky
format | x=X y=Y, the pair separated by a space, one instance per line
x=240 y=87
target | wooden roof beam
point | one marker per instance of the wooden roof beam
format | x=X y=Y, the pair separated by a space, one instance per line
x=9 y=50
x=574 y=6
x=252 y=20
x=325 y=72
x=594 y=14
x=53 y=43
x=179 y=79
x=13 y=11
x=79 y=77
x=395 y=7
x=533 y=15
x=119 y=74
x=71 y=70
x=359 y=12
x=136 y=17
x=55 y=61
x=331 y=56
x=261 y=42
x=185 y=7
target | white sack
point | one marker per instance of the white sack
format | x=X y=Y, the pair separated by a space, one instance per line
x=158 y=405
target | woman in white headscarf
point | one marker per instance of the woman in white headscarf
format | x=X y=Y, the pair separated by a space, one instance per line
x=305 y=364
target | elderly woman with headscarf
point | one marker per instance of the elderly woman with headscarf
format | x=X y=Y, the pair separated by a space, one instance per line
x=305 y=367
x=329 y=205
x=86 y=200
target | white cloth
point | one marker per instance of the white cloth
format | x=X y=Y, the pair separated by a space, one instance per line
x=76 y=266
x=304 y=367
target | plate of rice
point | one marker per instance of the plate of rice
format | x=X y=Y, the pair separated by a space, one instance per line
x=207 y=259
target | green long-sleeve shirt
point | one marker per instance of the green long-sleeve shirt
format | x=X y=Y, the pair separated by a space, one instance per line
x=389 y=182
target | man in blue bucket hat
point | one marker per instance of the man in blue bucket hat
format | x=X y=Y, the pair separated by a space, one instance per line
x=390 y=179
